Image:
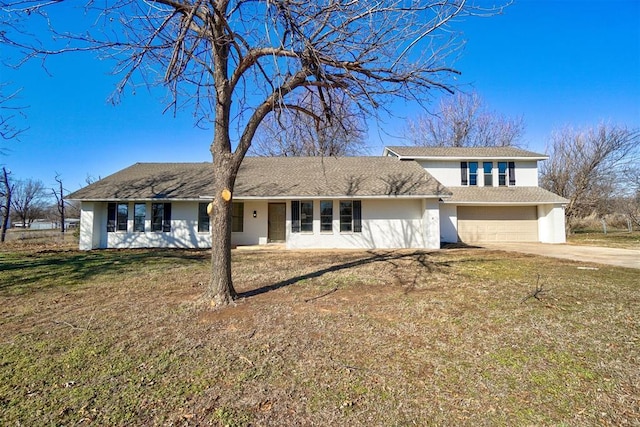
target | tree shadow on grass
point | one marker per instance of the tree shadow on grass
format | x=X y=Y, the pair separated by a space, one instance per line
x=29 y=272
x=422 y=258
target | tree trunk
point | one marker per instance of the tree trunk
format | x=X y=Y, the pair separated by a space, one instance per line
x=221 y=291
x=7 y=207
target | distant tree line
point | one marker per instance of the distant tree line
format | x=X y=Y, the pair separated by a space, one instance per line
x=24 y=201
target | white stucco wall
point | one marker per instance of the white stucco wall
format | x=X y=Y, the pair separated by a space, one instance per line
x=551 y=224
x=448 y=172
x=448 y=223
x=391 y=223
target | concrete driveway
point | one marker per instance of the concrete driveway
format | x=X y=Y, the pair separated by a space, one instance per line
x=629 y=258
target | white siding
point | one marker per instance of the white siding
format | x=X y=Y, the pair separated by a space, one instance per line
x=551 y=225
x=448 y=172
x=391 y=223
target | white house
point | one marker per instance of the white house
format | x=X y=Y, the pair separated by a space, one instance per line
x=409 y=198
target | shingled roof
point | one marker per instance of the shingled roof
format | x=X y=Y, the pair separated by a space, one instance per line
x=270 y=177
x=503 y=195
x=511 y=153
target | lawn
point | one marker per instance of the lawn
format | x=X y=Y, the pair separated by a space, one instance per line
x=613 y=239
x=375 y=338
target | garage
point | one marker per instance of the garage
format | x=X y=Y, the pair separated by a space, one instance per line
x=497 y=224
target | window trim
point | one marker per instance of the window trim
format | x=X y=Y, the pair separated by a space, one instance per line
x=202 y=214
x=464 y=171
x=302 y=216
x=487 y=182
x=136 y=217
x=355 y=217
x=323 y=216
x=503 y=168
x=161 y=223
x=473 y=174
x=237 y=217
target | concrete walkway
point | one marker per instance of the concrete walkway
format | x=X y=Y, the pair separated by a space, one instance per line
x=629 y=258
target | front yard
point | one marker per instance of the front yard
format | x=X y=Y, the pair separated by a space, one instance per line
x=450 y=337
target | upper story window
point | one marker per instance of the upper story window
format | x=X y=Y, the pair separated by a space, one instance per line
x=117 y=216
x=351 y=216
x=301 y=216
x=161 y=217
x=473 y=173
x=502 y=174
x=326 y=215
x=488 y=174
x=139 y=216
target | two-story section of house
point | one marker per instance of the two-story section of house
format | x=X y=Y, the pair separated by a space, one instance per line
x=495 y=194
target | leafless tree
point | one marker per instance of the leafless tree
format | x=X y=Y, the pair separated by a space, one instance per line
x=9 y=113
x=6 y=192
x=462 y=120
x=238 y=61
x=590 y=167
x=58 y=194
x=292 y=132
x=28 y=200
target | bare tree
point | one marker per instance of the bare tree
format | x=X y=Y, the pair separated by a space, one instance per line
x=462 y=120
x=8 y=112
x=58 y=194
x=309 y=132
x=591 y=167
x=238 y=61
x=28 y=199
x=6 y=192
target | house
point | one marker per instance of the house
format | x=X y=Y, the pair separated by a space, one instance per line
x=408 y=198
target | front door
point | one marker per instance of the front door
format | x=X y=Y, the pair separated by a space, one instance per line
x=277 y=221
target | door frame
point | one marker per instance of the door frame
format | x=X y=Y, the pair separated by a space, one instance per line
x=284 y=222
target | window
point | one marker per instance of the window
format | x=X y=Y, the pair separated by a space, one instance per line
x=139 y=215
x=161 y=217
x=473 y=173
x=502 y=174
x=351 y=216
x=123 y=216
x=463 y=173
x=301 y=216
x=117 y=216
x=326 y=215
x=512 y=173
x=203 y=218
x=237 y=217
x=488 y=174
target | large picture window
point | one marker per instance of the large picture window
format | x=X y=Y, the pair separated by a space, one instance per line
x=351 y=216
x=139 y=216
x=203 y=218
x=301 y=216
x=161 y=217
x=326 y=215
x=117 y=216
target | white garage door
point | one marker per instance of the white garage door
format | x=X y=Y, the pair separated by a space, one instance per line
x=497 y=224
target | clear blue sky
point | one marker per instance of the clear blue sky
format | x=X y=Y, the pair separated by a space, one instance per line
x=555 y=63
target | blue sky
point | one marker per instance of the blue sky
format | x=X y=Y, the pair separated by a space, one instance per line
x=556 y=63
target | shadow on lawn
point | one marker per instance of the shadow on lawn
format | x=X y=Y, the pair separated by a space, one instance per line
x=422 y=258
x=21 y=273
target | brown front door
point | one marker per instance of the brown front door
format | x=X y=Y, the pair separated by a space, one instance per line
x=277 y=220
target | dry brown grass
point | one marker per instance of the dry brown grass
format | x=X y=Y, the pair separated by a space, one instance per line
x=320 y=338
